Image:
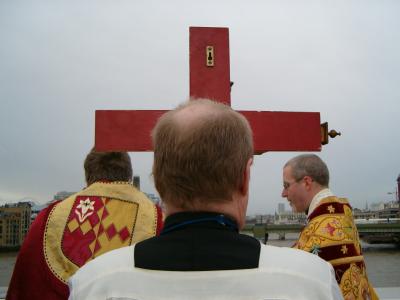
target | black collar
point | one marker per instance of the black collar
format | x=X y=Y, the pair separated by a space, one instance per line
x=185 y=219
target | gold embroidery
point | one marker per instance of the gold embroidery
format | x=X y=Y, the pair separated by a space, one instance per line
x=145 y=217
x=328 y=229
x=354 y=284
x=346 y=260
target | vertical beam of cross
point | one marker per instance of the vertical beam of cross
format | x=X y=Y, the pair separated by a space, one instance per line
x=209 y=64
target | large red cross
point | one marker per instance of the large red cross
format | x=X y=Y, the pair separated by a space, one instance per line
x=129 y=130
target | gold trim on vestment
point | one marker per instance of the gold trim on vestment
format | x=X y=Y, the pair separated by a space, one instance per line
x=346 y=260
x=327 y=229
x=59 y=265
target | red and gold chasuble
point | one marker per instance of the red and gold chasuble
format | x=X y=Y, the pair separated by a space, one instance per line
x=68 y=234
x=332 y=235
x=98 y=219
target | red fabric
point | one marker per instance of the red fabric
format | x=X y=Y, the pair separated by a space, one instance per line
x=322 y=209
x=160 y=222
x=32 y=279
x=75 y=244
x=336 y=251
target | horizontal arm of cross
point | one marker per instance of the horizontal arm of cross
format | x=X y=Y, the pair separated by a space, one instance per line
x=130 y=130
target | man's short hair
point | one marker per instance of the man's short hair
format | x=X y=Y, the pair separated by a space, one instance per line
x=309 y=165
x=109 y=166
x=203 y=159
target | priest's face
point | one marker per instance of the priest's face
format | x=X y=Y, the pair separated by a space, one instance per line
x=295 y=191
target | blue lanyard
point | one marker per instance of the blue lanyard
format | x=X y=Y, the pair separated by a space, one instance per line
x=221 y=219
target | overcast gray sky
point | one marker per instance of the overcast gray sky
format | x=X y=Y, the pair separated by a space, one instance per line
x=62 y=60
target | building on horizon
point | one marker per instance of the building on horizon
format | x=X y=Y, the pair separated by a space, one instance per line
x=398 y=189
x=376 y=206
x=15 y=220
x=281 y=208
x=62 y=195
x=379 y=210
x=290 y=217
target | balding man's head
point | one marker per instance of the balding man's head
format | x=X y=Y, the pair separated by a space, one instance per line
x=201 y=150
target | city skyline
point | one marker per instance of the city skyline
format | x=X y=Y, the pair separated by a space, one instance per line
x=281 y=206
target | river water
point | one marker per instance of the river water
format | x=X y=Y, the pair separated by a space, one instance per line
x=383 y=262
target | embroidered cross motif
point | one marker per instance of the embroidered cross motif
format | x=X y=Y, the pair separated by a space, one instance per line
x=344 y=249
x=87 y=208
x=331 y=209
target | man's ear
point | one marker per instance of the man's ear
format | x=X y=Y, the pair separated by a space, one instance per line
x=244 y=189
x=308 y=181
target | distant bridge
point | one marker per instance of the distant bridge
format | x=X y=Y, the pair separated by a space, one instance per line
x=372 y=232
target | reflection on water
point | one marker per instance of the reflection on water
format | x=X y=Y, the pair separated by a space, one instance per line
x=383 y=261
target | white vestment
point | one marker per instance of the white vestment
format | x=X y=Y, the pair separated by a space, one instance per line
x=283 y=273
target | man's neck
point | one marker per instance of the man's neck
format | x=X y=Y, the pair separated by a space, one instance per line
x=321 y=193
x=226 y=208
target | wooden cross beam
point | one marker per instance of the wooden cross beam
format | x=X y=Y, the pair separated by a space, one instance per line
x=129 y=130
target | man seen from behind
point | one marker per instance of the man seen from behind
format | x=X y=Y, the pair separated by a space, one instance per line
x=109 y=213
x=203 y=152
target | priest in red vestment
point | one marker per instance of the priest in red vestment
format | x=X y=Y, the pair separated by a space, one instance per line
x=108 y=214
x=330 y=232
